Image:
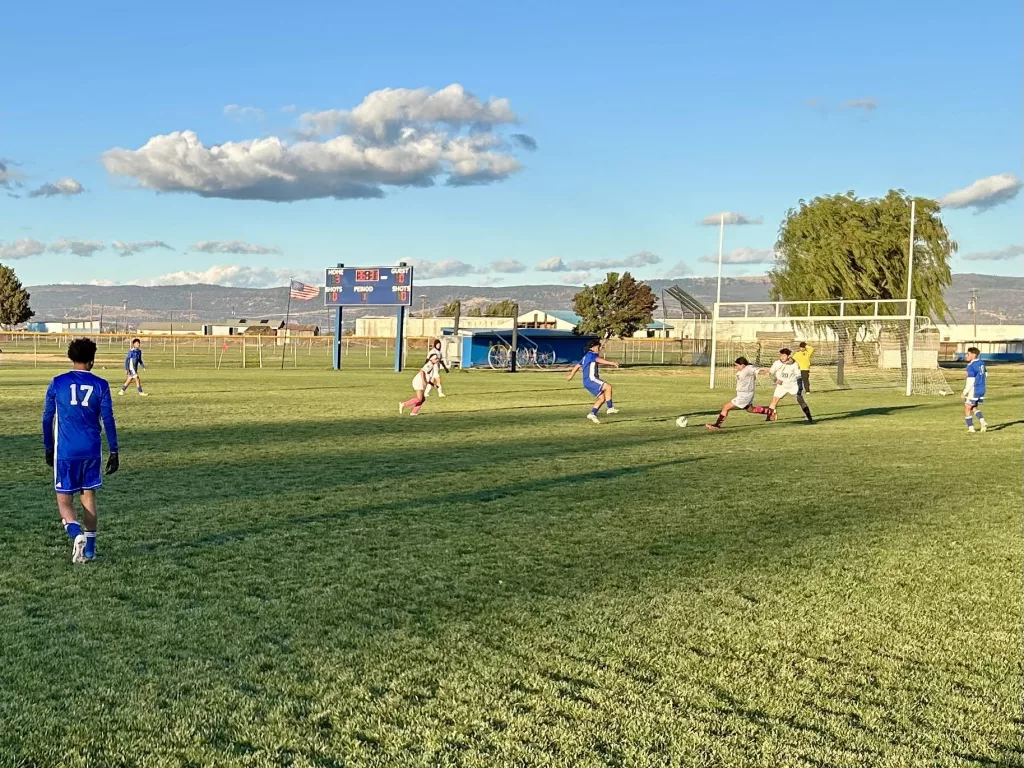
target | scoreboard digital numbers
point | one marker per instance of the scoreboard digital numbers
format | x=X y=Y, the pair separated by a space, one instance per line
x=368 y=286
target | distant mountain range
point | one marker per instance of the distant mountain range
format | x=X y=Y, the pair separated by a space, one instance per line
x=1000 y=300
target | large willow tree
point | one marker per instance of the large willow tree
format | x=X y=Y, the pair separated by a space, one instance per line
x=843 y=246
x=846 y=247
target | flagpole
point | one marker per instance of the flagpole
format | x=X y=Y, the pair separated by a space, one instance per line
x=287 y=314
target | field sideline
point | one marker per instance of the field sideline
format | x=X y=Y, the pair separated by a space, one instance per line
x=293 y=575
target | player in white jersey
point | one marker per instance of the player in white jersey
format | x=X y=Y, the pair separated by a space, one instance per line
x=746 y=383
x=788 y=381
x=419 y=386
x=435 y=376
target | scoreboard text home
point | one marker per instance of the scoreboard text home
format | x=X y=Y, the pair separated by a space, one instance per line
x=380 y=286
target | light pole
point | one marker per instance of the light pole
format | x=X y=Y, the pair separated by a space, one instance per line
x=124 y=313
x=423 y=305
x=973 y=306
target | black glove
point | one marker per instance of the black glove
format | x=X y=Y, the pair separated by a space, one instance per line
x=113 y=463
x=49 y=458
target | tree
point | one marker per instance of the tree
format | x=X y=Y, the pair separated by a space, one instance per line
x=504 y=308
x=845 y=247
x=14 y=308
x=475 y=312
x=450 y=309
x=620 y=306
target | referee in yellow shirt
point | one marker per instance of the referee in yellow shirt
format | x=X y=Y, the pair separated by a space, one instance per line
x=803 y=359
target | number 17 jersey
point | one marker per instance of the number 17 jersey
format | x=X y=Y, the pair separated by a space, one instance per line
x=77 y=402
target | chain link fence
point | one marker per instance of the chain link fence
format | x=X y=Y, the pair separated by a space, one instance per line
x=23 y=349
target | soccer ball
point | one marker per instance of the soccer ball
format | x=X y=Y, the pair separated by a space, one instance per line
x=682 y=421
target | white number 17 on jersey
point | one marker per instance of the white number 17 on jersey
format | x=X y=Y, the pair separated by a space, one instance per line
x=86 y=394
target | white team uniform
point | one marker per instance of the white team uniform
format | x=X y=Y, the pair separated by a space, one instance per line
x=787 y=378
x=746 y=383
x=423 y=375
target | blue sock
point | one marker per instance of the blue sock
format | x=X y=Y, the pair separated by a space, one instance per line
x=978 y=414
x=125 y=387
x=594 y=411
x=969 y=420
x=90 y=543
x=609 y=404
x=140 y=389
x=74 y=530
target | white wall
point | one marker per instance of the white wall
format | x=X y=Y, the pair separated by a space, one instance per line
x=423 y=327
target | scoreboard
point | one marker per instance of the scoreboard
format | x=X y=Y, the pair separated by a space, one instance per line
x=368 y=286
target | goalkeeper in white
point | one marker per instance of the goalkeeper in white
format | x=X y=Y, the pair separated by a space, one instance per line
x=788 y=381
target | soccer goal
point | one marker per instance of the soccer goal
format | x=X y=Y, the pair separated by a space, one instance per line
x=857 y=344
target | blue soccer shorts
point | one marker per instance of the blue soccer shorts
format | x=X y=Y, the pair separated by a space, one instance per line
x=975 y=402
x=593 y=387
x=76 y=475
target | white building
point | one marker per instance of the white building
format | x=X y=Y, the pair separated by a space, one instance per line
x=552 y=319
x=173 y=329
x=64 y=326
x=423 y=327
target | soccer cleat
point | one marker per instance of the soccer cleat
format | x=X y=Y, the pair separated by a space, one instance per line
x=143 y=394
x=414 y=413
x=78 y=549
x=401 y=408
x=120 y=391
x=612 y=410
x=984 y=427
x=713 y=428
x=441 y=394
x=593 y=418
x=971 y=430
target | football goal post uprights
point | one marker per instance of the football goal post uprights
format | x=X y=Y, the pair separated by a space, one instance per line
x=876 y=344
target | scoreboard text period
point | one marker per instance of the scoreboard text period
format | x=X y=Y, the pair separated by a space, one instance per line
x=380 y=286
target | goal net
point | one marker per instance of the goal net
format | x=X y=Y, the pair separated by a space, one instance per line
x=857 y=344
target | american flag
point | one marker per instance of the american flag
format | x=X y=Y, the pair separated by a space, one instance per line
x=302 y=292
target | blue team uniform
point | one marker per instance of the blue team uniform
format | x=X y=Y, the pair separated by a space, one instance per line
x=976 y=393
x=592 y=381
x=77 y=402
x=133 y=362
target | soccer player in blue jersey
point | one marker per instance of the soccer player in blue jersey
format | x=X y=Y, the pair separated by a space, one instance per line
x=76 y=403
x=974 y=390
x=592 y=381
x=132 y=363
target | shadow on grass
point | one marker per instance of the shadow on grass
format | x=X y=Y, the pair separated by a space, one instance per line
x=1007 y=425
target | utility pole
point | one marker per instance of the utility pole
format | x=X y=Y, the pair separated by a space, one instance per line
x=190 y=307
x=124 y=313
x=91 y=329
x=423 y=305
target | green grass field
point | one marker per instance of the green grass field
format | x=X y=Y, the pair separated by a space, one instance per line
x=291 y=574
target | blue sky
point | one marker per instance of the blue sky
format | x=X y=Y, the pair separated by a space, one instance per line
x=646 y=118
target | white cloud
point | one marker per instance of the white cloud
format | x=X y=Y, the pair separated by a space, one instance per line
x=487 y=282
x=641 y=259
x=508 y=266
x=388 y=110
x=743 y=255
x=867 y=105
x=395 y=138
x=289 y=109
x=237 y=276
x=984 y=193
x=21 y=249
x=240 y=113
x=1003 y=254
x=731 y=219
x=130 y=249
x=679 y=269
x=432 y=270
x=65 y=186
x=574 y=278
x=77 y=247
x=554 y=264
x=233 y=246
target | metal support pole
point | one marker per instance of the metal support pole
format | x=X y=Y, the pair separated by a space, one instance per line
x=912 y=306
x=400 y=330
x=714 y=343
x=337 y=335
x=515 y=337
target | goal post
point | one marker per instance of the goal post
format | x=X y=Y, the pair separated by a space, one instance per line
x=858 y=344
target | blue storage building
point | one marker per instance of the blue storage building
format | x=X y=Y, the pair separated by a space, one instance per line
x=483 y=347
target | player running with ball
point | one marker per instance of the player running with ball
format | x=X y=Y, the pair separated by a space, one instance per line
x=592 y=381
x=746 y=383
x=788 y=381
x=435 y=377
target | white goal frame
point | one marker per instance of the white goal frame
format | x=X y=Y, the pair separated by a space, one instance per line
x=801 y=311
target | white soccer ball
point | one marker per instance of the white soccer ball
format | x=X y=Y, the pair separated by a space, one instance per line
x=682 y=421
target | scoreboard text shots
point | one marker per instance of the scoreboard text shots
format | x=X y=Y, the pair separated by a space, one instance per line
x=378 y=286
